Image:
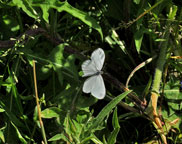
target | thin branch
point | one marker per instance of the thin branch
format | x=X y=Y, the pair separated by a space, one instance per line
x=139 y=67
x=38 y=106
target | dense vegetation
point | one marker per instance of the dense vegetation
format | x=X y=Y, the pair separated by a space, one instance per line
x=43 y=44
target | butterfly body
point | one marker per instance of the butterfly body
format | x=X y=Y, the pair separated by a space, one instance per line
x=92 y=69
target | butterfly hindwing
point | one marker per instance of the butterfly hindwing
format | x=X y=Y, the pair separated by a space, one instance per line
x=88 y=84
x=95 y=86
x=99 y=90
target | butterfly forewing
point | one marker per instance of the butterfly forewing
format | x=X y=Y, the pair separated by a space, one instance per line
x=88 y=68
x=98 y=57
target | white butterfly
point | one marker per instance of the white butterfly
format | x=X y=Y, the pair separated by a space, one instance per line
x=95 y=83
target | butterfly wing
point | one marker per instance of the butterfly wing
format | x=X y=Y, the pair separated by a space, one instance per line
x=95 y=83
x=89 y=84
x=98 y=57
x=98 y=89
x=88 y=68
x=95 y=86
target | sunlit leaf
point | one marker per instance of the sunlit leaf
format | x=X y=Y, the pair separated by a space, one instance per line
x=107 y=109
x=26 y=7
x=51 y=112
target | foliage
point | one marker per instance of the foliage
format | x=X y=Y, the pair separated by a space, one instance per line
x=59 y=35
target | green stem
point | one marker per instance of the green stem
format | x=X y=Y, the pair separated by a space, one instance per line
x=160 y=64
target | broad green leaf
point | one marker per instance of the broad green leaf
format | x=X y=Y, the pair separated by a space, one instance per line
x=58 y=137
x=168 y=118
x=173 y=98
x=50 y=112
x=56 y=55
x=107 y=109
x=173 y=95
x=26 y=7
x=65 y=6
x=45 y=11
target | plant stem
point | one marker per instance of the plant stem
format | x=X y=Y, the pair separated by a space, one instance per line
x=38 y=106
x=157 y=81
x=160 y=64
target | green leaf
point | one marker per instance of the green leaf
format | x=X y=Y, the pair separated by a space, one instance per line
x=19 y=134
x=2 y=110
x=107 y=109
x=57 y=59
x=173 y=95
x=136 y=1
x=45 y=11
x=14 y=91
x=11 y=116
x=115 y=122
x=93 y=138
x=70 y=127
x=51 y=112
x=58 y=137
x=71 y=69
x=113 y=136
x=65 y=6
x=117 y=40
x=172 y=13
x=2 y=136
x=9 y=26
x=113 y=39
x=116 y=126
x=56 y=55
x=138 y=36
x=26 y=7
x=82 y=16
